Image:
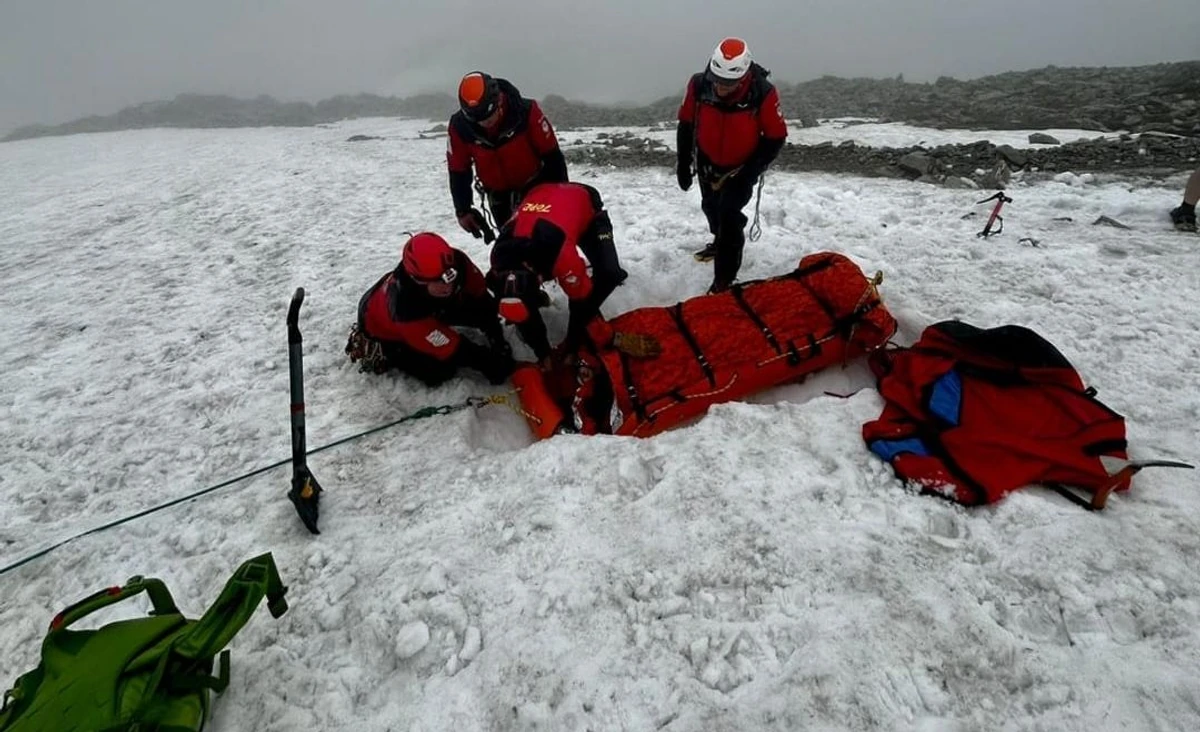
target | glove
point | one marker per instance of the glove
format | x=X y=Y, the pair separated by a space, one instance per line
x=683 y=173
x=475 y=224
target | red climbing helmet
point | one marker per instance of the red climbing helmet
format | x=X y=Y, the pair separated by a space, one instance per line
x=429 y=260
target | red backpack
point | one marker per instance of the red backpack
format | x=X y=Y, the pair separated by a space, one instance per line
x=973 y=414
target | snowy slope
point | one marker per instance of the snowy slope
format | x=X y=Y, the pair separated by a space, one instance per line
x=756 y=570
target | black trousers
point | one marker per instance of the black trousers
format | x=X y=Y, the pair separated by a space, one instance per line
x=597 y=245
x=431 y=371
x=502 y=203
x=723 y=209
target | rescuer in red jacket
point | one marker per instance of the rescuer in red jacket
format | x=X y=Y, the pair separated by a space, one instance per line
x=509 y=143
x=407 y=320
x=730 y=129
x=560 y=232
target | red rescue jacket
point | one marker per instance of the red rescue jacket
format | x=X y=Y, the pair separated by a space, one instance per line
x=520 y=152
x=726 y=133
x=550 y=221
x=397 y=309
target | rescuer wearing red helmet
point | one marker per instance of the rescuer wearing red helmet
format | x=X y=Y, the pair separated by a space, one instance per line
x=408 y=319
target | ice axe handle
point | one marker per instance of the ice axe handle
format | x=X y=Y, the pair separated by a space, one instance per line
x=293 y=316
x=306 y=491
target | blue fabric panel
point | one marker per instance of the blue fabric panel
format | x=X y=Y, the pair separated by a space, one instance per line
x=945 y=400
x=889 y=449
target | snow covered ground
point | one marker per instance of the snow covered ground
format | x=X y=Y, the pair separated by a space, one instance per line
x=862 y=131
x=756 y=570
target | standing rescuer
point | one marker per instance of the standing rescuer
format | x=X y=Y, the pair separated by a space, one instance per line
x=509 y=144
x=731 y=128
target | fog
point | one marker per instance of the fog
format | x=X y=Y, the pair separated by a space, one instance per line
x=63 y=59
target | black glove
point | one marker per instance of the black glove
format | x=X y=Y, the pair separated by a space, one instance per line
x=683 y=173
x=493 y=363
x=473 y=222
x=495 y=336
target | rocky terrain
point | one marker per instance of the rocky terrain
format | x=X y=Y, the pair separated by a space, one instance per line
x=1158 y=98
x=977 y=165
x=1157 y=107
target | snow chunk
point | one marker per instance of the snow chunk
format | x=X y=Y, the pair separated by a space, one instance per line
x=411 y=640
x=472 y=643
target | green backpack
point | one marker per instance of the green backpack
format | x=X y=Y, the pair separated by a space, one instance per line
x=151 y=673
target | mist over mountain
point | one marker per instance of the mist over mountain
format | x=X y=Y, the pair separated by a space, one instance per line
x=1160 y=97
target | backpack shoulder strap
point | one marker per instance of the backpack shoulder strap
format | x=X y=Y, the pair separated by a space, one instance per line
x=255 y=579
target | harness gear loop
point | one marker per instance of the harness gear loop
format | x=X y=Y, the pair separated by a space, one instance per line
x=756 y=228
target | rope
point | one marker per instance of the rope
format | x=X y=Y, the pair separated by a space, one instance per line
x=871 y=293
x=483 y=203
x=515 y=405
x=756 y=228
x=469 y=402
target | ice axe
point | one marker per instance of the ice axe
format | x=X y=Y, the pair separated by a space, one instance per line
x=306 y=492
x=1000 y=200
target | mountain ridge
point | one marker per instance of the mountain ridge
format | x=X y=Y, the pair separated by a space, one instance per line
x=1161 y=97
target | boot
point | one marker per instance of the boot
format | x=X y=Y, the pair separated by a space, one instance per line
x=1184 y=220
x=727 y=264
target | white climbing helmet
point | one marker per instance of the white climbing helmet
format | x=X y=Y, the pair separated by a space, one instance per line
x=730 y=60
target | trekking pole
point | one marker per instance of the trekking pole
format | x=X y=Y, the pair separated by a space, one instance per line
x=1000 y=200
x=306 y=492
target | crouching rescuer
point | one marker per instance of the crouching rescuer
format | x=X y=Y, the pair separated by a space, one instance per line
x=408 y=319
x=559 y=232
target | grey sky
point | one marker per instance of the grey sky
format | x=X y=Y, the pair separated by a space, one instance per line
x=62 y=59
